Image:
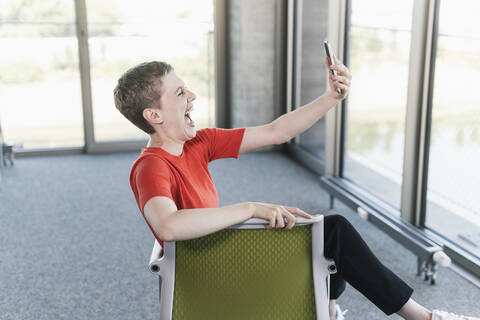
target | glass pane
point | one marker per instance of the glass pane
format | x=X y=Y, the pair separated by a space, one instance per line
x=379 y=56
x=453 y=204
x=39 y=78
x=125 y=33
x=313 y=83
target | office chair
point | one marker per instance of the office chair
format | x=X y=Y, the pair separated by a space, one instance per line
x=246 y=272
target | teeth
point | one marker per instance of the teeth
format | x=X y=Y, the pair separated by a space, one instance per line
x=188 y=120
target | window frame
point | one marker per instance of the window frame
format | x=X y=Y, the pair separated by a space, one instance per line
x=92 y=146
x=423 y=45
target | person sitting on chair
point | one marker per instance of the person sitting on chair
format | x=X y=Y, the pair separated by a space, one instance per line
x=177 y=197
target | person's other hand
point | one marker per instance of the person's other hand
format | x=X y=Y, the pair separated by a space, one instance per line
x=342 y=80
x=279 y=216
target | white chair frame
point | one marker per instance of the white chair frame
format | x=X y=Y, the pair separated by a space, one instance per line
x=162 y=263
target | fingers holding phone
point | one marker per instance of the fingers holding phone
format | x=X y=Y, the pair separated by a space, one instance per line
x=339 y=75
x=340 y=81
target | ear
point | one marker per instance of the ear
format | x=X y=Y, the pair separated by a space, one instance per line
x=153 y=116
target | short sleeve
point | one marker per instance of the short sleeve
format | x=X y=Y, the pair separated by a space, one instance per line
x=151 y=177
x=224 y=143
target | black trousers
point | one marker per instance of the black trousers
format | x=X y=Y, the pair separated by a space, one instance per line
x=358 y=266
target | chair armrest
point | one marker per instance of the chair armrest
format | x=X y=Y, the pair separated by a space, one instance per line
x=256 y=223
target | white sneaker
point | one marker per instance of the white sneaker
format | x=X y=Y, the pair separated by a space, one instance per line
x=443 y=315
x=339 y=314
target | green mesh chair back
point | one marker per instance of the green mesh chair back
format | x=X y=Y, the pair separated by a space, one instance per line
x=245 y=272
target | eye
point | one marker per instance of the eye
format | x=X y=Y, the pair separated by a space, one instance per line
x=180 y=93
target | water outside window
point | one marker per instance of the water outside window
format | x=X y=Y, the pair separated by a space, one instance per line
x=375 y=128
x=453 y=206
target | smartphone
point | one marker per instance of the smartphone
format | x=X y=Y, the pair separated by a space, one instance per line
x=328 y=51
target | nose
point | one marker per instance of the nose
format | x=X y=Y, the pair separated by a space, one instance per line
x=191 y=95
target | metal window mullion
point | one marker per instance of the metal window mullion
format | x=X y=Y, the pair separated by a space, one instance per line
x=333 y=119
x=344 y=50
x=297 y=52
x=84 y=66
x=427 y=115
x=417 y=107
x=222 y=63
x=297 y=57
x=290 y=55
x=281 y=25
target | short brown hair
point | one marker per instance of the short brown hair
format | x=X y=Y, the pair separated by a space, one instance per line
x=135 y=91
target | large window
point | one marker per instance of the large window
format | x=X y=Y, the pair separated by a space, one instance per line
x=405 y=144
x=453 y=207
x=375 y=122
x=40 y=78
x=125 y=33
x=40 y=92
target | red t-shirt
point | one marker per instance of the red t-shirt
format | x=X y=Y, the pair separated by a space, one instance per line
x=185 y=179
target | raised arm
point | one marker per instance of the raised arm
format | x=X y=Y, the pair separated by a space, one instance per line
x=299 y=120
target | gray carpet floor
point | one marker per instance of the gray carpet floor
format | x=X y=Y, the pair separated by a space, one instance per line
x=73 y=244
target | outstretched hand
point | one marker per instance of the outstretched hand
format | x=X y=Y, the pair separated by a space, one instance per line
x=279 y=216
x=342 y=80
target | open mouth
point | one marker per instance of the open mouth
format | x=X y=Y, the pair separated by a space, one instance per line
x=189 y=120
